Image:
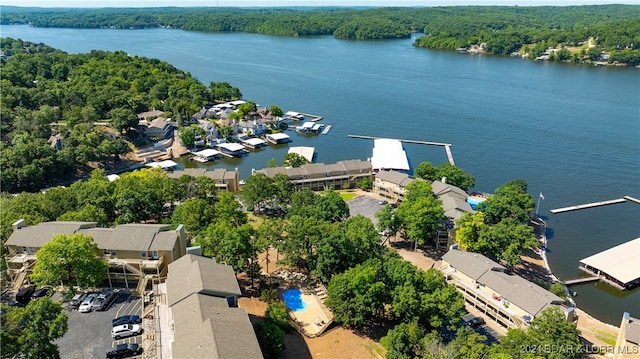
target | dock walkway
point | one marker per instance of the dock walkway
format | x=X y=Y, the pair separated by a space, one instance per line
x=580 y=280
x=588 y=205
x=327 y=129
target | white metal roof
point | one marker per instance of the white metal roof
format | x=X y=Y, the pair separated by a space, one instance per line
x=278 y=136
x=209 y=152
x=231 y=146
x=307 y=125
x=306 y=152
x=162 y=164
x=254 y=141
x=621 y=262
x=389 y=154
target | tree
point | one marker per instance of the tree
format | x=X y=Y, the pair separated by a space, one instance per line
x=387 y=221
x=270 y=337
x=228 y=243
x=123 y=118
x=187 y=136
x=509 y=200
x=195 y=213
x=69 y=258
x=454 y=175
x=246 y=108
x=268 y=234
x=29 y=332
x=277 y=313
x=357 y=296
x=421 y=218
x=257 y=190
x=275 y=111
x=331 y=207
x=550 y=335
x=293 y=159
x=228 y=209
x=403 y=341
x=364 y=183
x=223 y=91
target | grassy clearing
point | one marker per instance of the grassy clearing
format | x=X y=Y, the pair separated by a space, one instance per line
x=608 y=338
x=347 y=195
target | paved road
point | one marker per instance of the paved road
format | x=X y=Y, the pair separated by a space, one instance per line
x=492 y=330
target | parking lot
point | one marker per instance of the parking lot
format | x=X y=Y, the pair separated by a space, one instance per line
x=366 y=206
x=490 y=329
x=89 y=334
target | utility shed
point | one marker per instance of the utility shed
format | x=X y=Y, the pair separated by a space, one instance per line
x=619 y=266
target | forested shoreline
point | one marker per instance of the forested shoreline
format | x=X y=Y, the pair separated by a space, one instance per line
x=579 y=33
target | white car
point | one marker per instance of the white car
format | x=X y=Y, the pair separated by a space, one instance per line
x=125 y=330
x=87 y=304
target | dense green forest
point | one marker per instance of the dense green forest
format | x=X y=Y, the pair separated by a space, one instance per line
x=47 y=92
x=502 y=30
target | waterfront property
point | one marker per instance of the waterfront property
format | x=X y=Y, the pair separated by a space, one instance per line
x=391 y=184
x=304 y=151
x=321 y=177
x=231 y=149
x=510 y=300
x=278 y=138
x=167 y=165
x=136 y=253
x=254 y=143
x=206 y=155
x=618 y=266
x=197 y=315
x=225 y=180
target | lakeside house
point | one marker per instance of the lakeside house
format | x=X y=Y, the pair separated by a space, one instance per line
x=509 y=300
x=321 y=177
x=199 y=317
x=136 y=253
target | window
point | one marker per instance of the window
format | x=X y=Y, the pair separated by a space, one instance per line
x=25 y=250
x=143 y=254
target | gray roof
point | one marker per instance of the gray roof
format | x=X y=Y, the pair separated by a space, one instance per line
x=133 y=237
x=206 y=328
x=272 y=171
x=36 y=236
x=440 y=188
x=632 y=332
x=218 y=174
x=455 y=207
x=196 y=274
x=314 y=169
x=474 y=265
x=529 y=296
x=399 y=178
x=357 y=165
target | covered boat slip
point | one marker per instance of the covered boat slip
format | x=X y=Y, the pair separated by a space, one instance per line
x=618 y=266
x=306 y=152
x=254 y=143
x=389 y=154
x=206 y=155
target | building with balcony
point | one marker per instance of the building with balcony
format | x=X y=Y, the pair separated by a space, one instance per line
x=198 y=315
x=391 y=184
x=136 y=253
x=225 y=180
x=321 y=177
x=509 y=300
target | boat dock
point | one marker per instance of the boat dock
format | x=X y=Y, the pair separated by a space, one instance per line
x=327 y=129
x=591 y=205
x=447 y=146
x=618 y=266
x=580 y=280
x=299 y=116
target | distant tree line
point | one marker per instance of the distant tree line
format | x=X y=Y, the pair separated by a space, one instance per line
x=48 y=92
x=615 y=28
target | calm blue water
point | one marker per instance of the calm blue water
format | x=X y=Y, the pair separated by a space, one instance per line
x=293 y=299
x=572 y=132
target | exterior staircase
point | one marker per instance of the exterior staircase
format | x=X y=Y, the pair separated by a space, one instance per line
x=17 y=283
x=133 y=269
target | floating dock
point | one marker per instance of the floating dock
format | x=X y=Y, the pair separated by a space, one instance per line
x=588 y=205
x=447 y=146
x=327 y=129
x=618 y=266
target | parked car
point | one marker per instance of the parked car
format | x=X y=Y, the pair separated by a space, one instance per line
x=382 y=202
x=125 y=330
x=104 y=300
x=126 y=319
x=78 y=299
x=475 y=322
x=124 y=351
x=41 y=292
x=24 y=295
x=87 y=304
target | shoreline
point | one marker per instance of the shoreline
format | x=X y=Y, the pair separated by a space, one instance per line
x=591 y=329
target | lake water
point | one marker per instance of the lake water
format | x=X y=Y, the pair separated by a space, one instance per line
x=571 y=131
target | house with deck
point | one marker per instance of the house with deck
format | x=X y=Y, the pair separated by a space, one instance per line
x=136 y=253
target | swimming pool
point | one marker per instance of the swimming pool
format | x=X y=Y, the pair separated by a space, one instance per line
x=293 y=300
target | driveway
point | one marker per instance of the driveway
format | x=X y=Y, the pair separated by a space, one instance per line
x=89 y=334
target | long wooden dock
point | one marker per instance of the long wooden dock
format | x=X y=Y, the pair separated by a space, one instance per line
x=581 y=280
x=447 y=146
x=588 y=205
